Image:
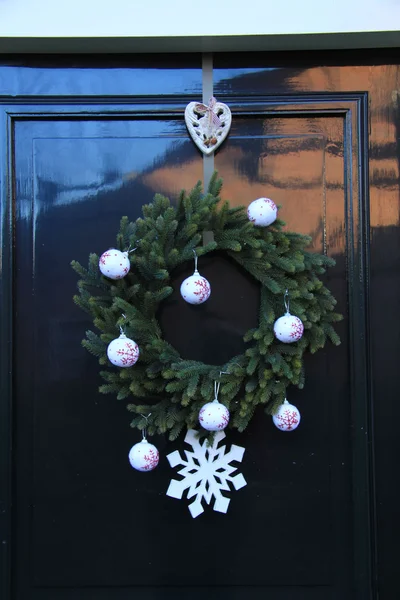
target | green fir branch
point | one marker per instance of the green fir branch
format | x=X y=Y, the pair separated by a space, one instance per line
x=173 y=389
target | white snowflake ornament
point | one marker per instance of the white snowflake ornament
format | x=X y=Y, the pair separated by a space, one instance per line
x=214 y=416
x=287 y=418
x=123 y=352
x=114 y=264
x=144 y=456
x=195 y=289
x=288 y=328
x=262 y=212
x=206 y=472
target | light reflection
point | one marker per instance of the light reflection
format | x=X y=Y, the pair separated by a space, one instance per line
x=381 y=81
x=72 y=81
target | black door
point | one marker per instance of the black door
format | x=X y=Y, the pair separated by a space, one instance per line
x=85 y=142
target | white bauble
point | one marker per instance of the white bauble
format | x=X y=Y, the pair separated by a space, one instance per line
x=114 y=264
x=288 y=328
x=262 y=212
x=195 y=289
x=214 y=416
x=123 y=352
x=287 y=418
x=144 y=456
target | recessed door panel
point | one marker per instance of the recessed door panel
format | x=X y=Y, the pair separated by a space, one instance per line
x=86 y=521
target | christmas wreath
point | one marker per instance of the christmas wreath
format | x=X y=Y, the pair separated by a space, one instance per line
x=128 y=293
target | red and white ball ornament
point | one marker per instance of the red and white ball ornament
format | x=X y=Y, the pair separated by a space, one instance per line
x=114 y=264
x=123 y=352
x=287 y=417
x=262 y=212
x=214 y=416
x=288 y=328
x=195 y=289
x=144 y=456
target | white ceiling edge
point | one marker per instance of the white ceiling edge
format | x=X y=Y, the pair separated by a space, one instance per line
x=130 y=19
x=227 y=43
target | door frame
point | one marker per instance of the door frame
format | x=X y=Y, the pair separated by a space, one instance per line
x=354 y=109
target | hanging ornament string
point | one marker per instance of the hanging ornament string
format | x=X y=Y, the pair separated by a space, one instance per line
x=286 y=300
x=144 y=430
x=196 y=259
x=133 y=249
x=217 y=384
x=121 y=329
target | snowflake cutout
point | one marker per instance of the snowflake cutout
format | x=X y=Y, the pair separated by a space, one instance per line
x=206 y=472
x=203 y=288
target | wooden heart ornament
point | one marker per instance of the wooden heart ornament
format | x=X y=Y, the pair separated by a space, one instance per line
x=208 y=125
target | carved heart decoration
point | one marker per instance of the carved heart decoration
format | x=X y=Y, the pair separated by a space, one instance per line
x=208 y=125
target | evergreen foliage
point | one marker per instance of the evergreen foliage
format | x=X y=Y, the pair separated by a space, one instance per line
x=166 y=385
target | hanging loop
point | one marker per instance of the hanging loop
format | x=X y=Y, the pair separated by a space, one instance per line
x=144 y=430
x=121 y=329
x=133 y=249
x=196 y=258
x=286 y=300
x=217 y=385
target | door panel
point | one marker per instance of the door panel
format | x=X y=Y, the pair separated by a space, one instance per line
x=299 y=159
x=85 y=519
x=74 y=183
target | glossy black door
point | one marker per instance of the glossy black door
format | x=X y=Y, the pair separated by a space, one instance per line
x=86 y=525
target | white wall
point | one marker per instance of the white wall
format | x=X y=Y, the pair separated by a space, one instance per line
x=160 y=18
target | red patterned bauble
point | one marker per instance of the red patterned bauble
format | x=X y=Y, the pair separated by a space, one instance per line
x=214 y=416
x=144 y=456
x=287 y=418
x=123 y=352
x=262 y=212
x=114 y=264
x=288 y=328
x=195 y=289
